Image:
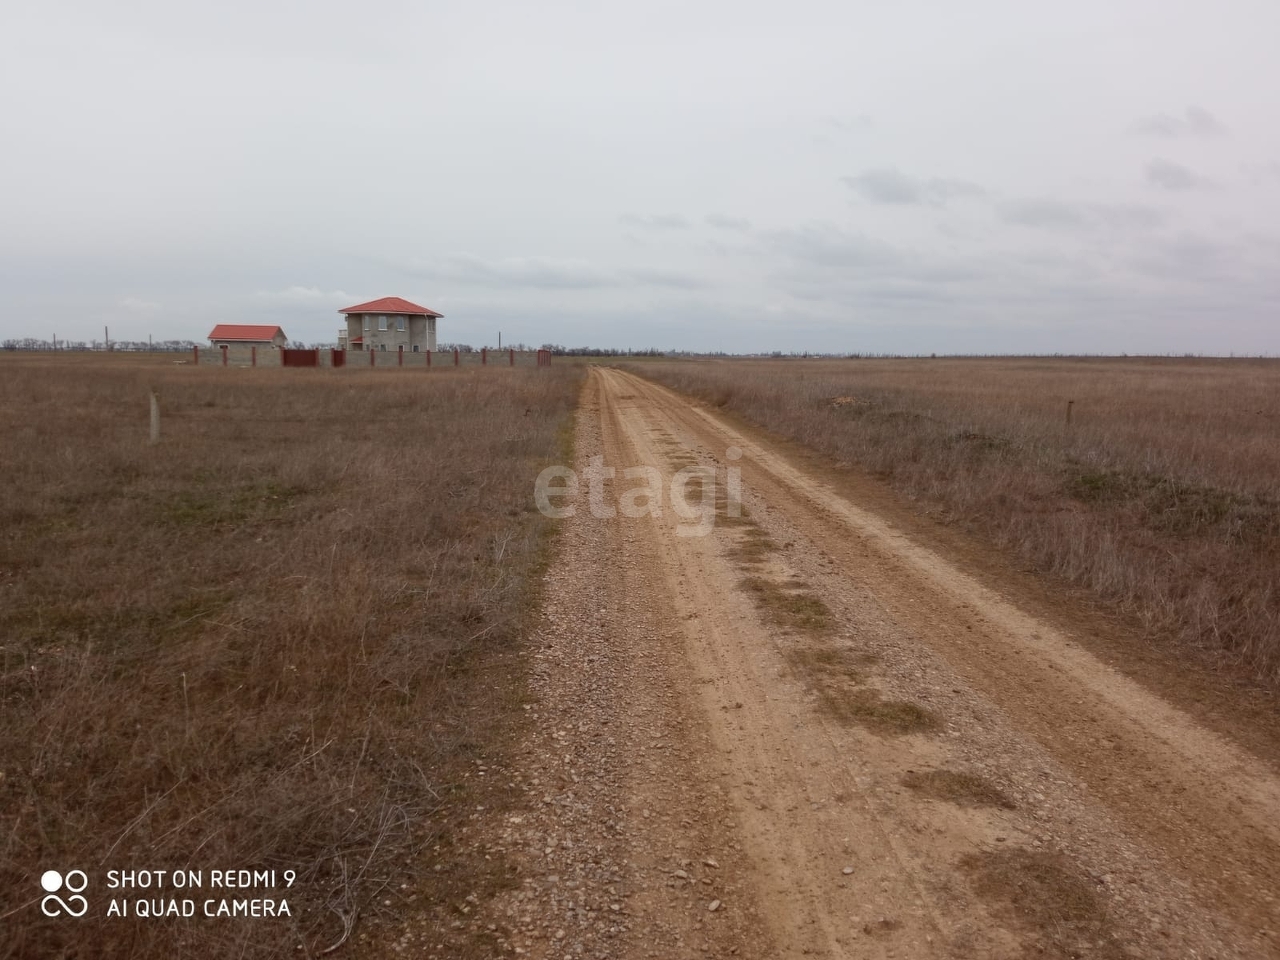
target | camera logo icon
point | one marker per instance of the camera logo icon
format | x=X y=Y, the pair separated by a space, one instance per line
x=74 y=883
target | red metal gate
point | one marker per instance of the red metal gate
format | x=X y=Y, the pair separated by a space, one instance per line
x=339 y=357
x=299 y=358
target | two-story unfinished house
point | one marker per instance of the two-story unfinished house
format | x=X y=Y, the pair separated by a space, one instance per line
x=389 y=324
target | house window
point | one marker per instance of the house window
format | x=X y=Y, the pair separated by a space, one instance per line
x=400 y=324
x=382 y=347
x=415 y=348
x=366 y=323
x=382 y=323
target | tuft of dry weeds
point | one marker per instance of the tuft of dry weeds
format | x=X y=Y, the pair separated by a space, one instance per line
x=1161 y=496
x=1060 y=911
x=958 y=787
x=866 y=707
x=753 y=547
x=816 y=662
x=795 y=608
x=268 y=641
x=838 y=676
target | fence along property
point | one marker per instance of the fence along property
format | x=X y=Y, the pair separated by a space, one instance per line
x=252 y=356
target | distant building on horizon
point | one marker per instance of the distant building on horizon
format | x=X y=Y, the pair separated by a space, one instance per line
x=389 y=324
x=247 y=335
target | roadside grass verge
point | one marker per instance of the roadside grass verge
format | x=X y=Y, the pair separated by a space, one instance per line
x=277 y=639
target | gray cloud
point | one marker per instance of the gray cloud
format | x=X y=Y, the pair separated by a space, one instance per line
x=836 y=132
x=308 y=296
x=723 y=221
x=1194 y=122
x=1263 y=173
x=658 y=221
x=820 y=254
x=891 y=186
x=1174 y=176
x=1063 y=214
x=724 y=249
x=851 y=124
x=672 y=279
x=1041 y=213
x=538 y=272
x=545 y=273
x=139 y=305
x=1191 y=257
x=826 y=245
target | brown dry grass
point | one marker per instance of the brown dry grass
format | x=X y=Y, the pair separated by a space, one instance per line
x=1162 y=497
x=268 y=641
x=838 y=677
x=795 y=608
x=958 y=787
x=1060 y=911
x=816 y=661
x=753 y=547
x=866 y=707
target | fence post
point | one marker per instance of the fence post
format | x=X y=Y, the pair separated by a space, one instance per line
x=253 y=356
x=155 y=418
x=224 y=354
x=428 y=359
x=513 y=357
x=455 y=356
x=195 y=354
x=1070 y=403
x=400 y=355
x=372 y=356
x=484 y=356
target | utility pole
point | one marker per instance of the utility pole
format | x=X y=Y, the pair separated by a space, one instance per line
x=499 y=339
x=106 y=338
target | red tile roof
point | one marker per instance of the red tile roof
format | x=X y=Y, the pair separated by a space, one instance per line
x=244 y=331
x=391 y=305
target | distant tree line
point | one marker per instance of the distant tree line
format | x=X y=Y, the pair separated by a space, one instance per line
x=560 y=350
x=127 y=346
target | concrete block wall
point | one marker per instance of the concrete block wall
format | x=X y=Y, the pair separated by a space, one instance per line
x=360 y=359
x=239 y=356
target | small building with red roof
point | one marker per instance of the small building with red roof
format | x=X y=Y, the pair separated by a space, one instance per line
x=247 y=335
x=389 y=324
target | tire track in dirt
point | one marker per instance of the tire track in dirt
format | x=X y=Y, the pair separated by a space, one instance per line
x=624 y=836
x=802 y=810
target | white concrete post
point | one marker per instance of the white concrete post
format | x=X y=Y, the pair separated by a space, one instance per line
x=155 y=417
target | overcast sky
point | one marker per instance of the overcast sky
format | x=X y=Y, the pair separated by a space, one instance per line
x=854 y=176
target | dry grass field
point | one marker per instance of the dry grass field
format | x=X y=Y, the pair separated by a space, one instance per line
x=277 y=639
x=1161 y=497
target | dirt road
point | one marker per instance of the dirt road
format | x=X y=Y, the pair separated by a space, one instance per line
x=807 y=733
